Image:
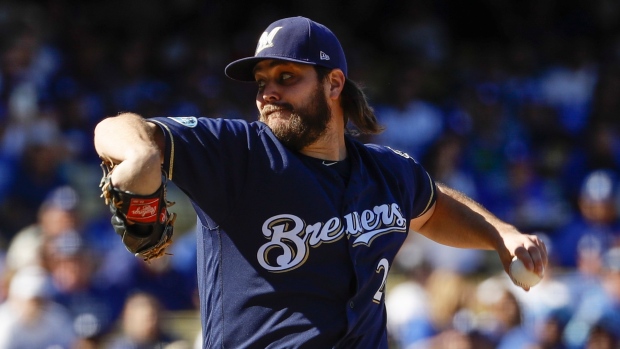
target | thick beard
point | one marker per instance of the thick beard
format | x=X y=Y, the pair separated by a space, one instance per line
x=305 y=125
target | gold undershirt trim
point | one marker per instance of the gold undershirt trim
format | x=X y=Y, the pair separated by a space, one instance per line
x=171 y=162
x=428 y=205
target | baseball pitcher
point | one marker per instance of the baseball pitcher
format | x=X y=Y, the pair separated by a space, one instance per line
x=299 y=222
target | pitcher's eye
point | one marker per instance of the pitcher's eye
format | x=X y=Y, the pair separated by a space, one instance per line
x=260 y=84
x=285 y=76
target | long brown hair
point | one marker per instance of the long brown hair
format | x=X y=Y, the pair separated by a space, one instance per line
x=355 y=106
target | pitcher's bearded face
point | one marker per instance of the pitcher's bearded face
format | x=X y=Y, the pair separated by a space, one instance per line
x=298 y=126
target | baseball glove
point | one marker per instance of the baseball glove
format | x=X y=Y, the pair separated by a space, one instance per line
x=143 y=221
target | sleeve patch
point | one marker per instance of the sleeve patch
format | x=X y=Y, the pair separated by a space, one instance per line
x=400 y=152
x=187 y=121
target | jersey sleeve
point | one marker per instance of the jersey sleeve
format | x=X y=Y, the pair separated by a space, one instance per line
x=425 y=188
x=207 y=158
x=417 y=188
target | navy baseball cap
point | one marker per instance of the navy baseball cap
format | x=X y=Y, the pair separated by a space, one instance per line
x=294 y=39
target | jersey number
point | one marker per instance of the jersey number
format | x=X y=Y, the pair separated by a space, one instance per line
x=383 y=266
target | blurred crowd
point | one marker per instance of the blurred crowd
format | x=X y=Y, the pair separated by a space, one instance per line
x=515 y=103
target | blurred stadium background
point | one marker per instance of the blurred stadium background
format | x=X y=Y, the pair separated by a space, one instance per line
x=515 y=103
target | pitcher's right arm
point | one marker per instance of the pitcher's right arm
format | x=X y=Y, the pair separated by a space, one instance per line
x=135 y=147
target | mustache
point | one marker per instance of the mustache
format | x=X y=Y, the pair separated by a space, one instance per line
x=270 y=108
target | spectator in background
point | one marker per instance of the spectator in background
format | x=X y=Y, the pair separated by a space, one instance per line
x=446 y=162
x=596 y=223
x=29 y=319
x=599 y=149
x=407 y=305
x=94 y=306
x=56 y=215
x=549 y=333
x=532 y=200
x=37 y=172
x=603 y=336
x=411 y=123
x=441 y=316
x=568 y=86
x=588 y=274
x=141 y=325
x=504 y=325
x=596 y=319
x=56 y=242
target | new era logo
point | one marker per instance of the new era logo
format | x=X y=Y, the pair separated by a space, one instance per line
x=323 y=56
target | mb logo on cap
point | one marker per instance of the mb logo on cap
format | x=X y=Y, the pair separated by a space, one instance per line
x=266 y=40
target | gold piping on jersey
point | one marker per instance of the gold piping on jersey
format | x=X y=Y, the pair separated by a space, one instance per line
x=428 y=205
x=171 y=162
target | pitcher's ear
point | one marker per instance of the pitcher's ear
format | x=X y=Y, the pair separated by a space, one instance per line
x=336 y=80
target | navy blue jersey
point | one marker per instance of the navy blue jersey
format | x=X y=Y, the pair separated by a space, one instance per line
x=293 y=253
